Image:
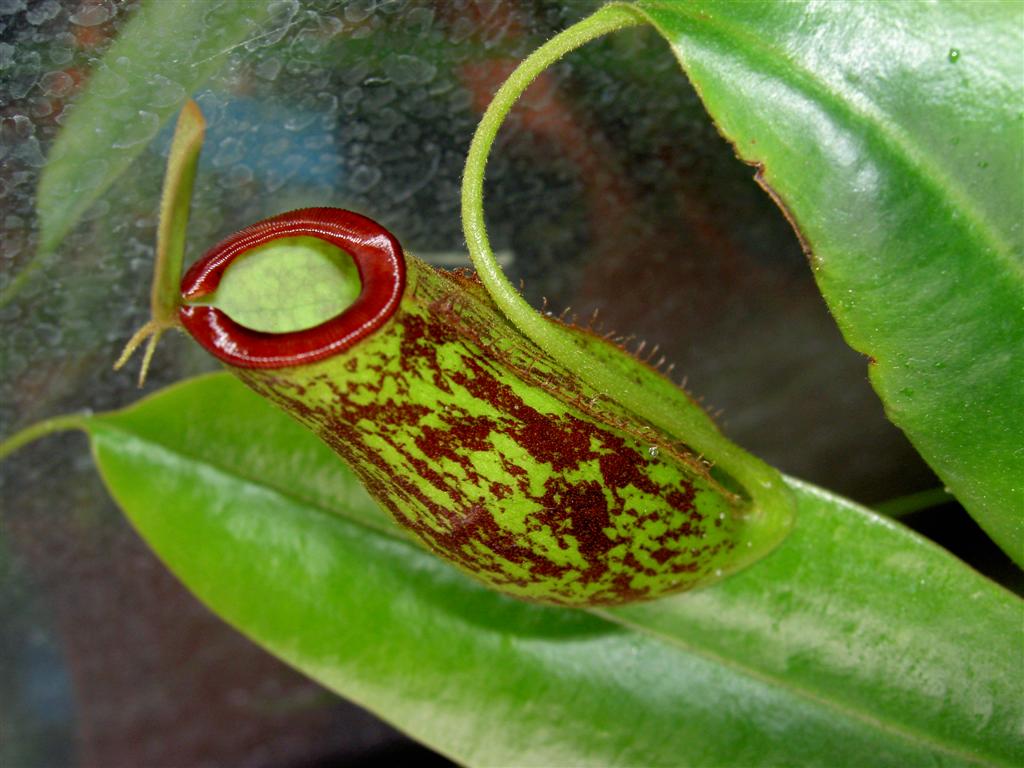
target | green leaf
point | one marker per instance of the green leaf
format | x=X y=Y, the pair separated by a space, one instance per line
x=855 y=643
x=892 y=135
x=167 y=50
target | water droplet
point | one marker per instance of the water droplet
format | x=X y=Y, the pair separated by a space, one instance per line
x=325 y=103
x=954 y=55
x=91 y=15
x=63 y=115
x=108 y=84
x=283 y=11
x=653 y=451
x=98 y=211
x=30 y=153
x=363 y=178
x=281 y=16
x=268 y=69
x=404 y=69
x=239 y=175
x=138 y=131
x=299 y=118
x=419 y=20
x=228 y=153
x=718 y=572
x=26 y=74
x=57 y=83
x=62 y=50
x=9 y=132
x=23 y=126
x=8 y=7
x=378 y=96
x=462 y=29
x=166 y=92
x=358 y=10
x=44 y=11
x=385 y=122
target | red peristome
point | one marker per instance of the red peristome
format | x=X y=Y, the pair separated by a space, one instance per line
x=379 y=260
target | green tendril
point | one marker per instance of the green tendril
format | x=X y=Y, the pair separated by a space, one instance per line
x=40 y=430
x=619 y=376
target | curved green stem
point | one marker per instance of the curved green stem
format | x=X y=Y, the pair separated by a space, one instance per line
x=607 y=19
x=40 y=430
x=914 y=502
x=630 y=383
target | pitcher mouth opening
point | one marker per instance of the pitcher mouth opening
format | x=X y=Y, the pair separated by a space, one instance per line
x=378 y=259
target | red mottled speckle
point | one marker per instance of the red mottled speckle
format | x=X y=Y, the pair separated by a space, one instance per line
x=582 y=515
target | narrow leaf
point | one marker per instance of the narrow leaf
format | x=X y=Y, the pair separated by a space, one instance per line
x=175 y=200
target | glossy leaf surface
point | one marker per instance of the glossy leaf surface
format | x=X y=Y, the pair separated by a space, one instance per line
x=848 y=645
x=893 y=135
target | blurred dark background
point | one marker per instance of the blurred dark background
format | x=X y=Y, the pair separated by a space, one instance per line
x=608 y=190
